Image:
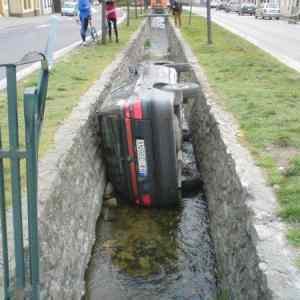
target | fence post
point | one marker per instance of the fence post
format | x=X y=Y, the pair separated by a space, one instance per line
x=4 y=227
x=31 y=112
x=15 y=177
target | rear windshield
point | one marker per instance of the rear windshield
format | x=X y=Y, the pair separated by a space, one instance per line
x=69 y=5
x=272 y=5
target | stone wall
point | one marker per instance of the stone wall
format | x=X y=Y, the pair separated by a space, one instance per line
x=72 y=181
x=254 y=260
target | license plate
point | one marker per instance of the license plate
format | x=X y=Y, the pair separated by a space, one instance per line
x=158 y=22
x=141 y=156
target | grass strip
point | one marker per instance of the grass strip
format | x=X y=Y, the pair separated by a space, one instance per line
x=264 y=96
x=70 y=78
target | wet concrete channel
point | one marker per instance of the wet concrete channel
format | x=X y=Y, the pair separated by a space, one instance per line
x=155 y=253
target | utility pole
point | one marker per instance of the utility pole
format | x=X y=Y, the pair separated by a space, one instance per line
x=103 y=22
x=135 y=9
x=128 y=12
x=208 y=20
x=190 y=16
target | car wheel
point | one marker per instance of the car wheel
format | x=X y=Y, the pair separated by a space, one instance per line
x=277 y=18
x=255 y=16
x=62 y=14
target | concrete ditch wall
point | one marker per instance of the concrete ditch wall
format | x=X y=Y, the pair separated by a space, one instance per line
x=72 y=181
x=254 y=260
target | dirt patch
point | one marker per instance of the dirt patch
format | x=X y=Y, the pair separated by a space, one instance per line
x=282 y=155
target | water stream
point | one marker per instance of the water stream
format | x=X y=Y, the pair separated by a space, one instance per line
x=154 y=253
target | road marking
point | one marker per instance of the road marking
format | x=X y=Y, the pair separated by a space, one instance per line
x=43 y=26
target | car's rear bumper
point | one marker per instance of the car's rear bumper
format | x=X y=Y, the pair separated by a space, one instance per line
x=271 y=15
x=248 y=12
x=67 y=13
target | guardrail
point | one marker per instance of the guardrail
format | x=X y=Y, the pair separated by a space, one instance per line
x=23 y=283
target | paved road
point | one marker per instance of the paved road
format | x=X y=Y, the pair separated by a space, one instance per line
x=21 y=35
x=279 y=38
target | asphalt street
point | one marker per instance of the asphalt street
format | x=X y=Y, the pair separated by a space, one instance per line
x=21 y=35
x=277 y=37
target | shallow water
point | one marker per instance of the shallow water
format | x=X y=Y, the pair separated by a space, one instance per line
x=154 y=253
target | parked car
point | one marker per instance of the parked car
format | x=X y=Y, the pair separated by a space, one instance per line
x=268 y=11
x=69 y=9
x=221 y=5
x=227 y=7
x=234 y=6
x=214 y=4
x=247 y=9
x=141 y=135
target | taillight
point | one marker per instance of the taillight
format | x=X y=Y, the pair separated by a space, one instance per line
x=137 y=110
x=147 y=200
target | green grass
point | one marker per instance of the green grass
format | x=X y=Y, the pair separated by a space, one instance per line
x=70 y=78
x=264 y=96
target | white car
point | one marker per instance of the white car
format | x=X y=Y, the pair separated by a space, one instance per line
x=69 y=9
x=214 y=4
x=268 y=11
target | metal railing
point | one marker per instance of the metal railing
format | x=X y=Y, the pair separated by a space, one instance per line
x=24 y=282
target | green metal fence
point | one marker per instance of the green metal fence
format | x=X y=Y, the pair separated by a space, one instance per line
x=24 y=282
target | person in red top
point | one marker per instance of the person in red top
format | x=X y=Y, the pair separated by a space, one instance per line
x=111 y=17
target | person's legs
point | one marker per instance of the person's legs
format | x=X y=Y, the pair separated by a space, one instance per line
x=176 y=17
x=84 y=25
x=116 y=30
x=109 y=29
x=179 y=18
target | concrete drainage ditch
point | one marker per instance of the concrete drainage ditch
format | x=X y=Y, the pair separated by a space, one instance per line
x=252 y=259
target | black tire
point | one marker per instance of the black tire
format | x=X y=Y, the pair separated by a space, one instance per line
x=191 y=186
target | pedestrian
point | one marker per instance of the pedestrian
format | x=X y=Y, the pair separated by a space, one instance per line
x=177 y=10
x=84 y=7
x=111 y=17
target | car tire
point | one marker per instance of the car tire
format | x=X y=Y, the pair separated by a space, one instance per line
x=277 y=18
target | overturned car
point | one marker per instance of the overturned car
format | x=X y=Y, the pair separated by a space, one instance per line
x=141 y=129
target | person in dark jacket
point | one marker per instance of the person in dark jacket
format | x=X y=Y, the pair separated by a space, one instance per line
x=111 y=17
x=84 y=7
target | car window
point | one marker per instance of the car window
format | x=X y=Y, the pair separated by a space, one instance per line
x=69 y=5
